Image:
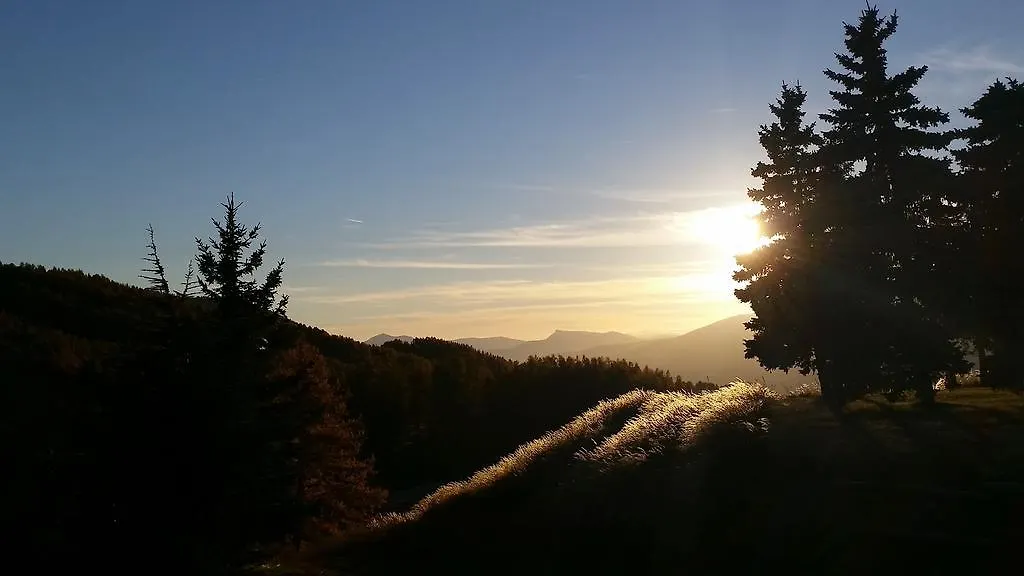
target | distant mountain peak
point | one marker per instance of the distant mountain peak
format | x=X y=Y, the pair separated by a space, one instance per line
x=559 y=332
x=380 y=339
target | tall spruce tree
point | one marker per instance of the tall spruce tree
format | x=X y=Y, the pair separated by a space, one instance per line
x=779 y=278
x=992 y=177
x=882 y=219
x=227 y=267
x=264 y=450
x=251 y=474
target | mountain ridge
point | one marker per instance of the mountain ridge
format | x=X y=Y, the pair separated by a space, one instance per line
x=713 y=352
x=559 y=342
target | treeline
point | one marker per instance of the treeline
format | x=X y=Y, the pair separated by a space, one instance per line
x=199 y=428
x=896 y=242
x=437 y=411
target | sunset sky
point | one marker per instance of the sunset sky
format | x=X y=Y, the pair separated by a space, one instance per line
x=447 y=168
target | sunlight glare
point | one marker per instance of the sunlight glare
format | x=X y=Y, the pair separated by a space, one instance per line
x=732 y=230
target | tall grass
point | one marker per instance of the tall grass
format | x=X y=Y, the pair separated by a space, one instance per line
x=621 y=431
x=667 y=483
x=677 y=421
x=587 y=425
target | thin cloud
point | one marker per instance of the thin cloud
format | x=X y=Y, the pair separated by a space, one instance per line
x=654 y=306
x=426 y=264
x=516 y=187
x=690 y=266
x=353 y=220
x=659 y=229
x=663 y=196
x=713 y=281
x=978 y=59
x=664 y=314
x=300 y=289
x=595 y=233
x=445 y=291
x=663 y=299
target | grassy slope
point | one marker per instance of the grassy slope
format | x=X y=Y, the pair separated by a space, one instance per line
x=658 y=483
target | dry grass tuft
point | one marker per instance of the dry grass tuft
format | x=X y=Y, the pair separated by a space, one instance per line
x=654 y=423
x=676 y=421
x=806 y=390
x=584 y=426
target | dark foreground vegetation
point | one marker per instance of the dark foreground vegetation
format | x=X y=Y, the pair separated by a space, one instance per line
x=732 y=482
x=896 y=243
x=203 y=427
x=200 y=431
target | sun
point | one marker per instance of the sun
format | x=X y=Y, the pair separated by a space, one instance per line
x=732 y=230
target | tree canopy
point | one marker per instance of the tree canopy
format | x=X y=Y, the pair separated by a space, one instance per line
x=872 y=227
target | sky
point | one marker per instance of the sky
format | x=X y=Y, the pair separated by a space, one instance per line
x=450 y=168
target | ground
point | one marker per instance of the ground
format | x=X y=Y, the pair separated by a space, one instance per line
x=939 y=485
x=883 y=488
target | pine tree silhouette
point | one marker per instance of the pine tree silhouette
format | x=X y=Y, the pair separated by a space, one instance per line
x=779 y=277
x=992 y=166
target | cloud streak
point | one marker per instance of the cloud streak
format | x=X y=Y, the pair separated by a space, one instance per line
x=658 y=229
x=976 y=60
x=713 y=282
x=426 y=264
x=532 y=309
x=664 y=196
x=519 y=187
x=300 y=289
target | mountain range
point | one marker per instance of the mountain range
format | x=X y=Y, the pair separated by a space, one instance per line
x=560 y=342
x=712 y=353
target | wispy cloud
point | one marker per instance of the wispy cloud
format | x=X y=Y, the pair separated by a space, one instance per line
x=287 y=289
x=531 y=309
x=713 y=281
x=667 y=228
x=599 y=232
x=521 y=187
x=664 y=195
x=982 y=59
x=353 y=221
x=426 y=264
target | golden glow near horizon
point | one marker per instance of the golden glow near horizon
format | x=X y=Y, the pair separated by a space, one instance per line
x=661 y=296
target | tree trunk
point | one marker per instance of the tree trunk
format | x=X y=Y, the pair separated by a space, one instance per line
x=984 y=367
x=830 y=390
x=950 y=380
x=1013 y=379
x=997 y=367
x=924 y=389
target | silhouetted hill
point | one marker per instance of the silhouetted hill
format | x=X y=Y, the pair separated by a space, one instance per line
x=433 y=410
x=493 y=344
x=381 y=339
x=713 y=352
x=566 y=342
x=490 y=345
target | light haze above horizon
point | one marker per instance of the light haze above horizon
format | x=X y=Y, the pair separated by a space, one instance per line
x=453 y=168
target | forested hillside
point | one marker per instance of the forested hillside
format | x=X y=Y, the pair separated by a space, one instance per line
x=202 y=431
x=120 y=392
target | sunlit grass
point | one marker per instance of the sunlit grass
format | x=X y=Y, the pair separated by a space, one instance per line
x=583 y=426
x=805 y=390
x=676 y=421
x=668 y=482
x=621 y=431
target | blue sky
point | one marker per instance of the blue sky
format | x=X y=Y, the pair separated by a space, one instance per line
x=449 y=168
